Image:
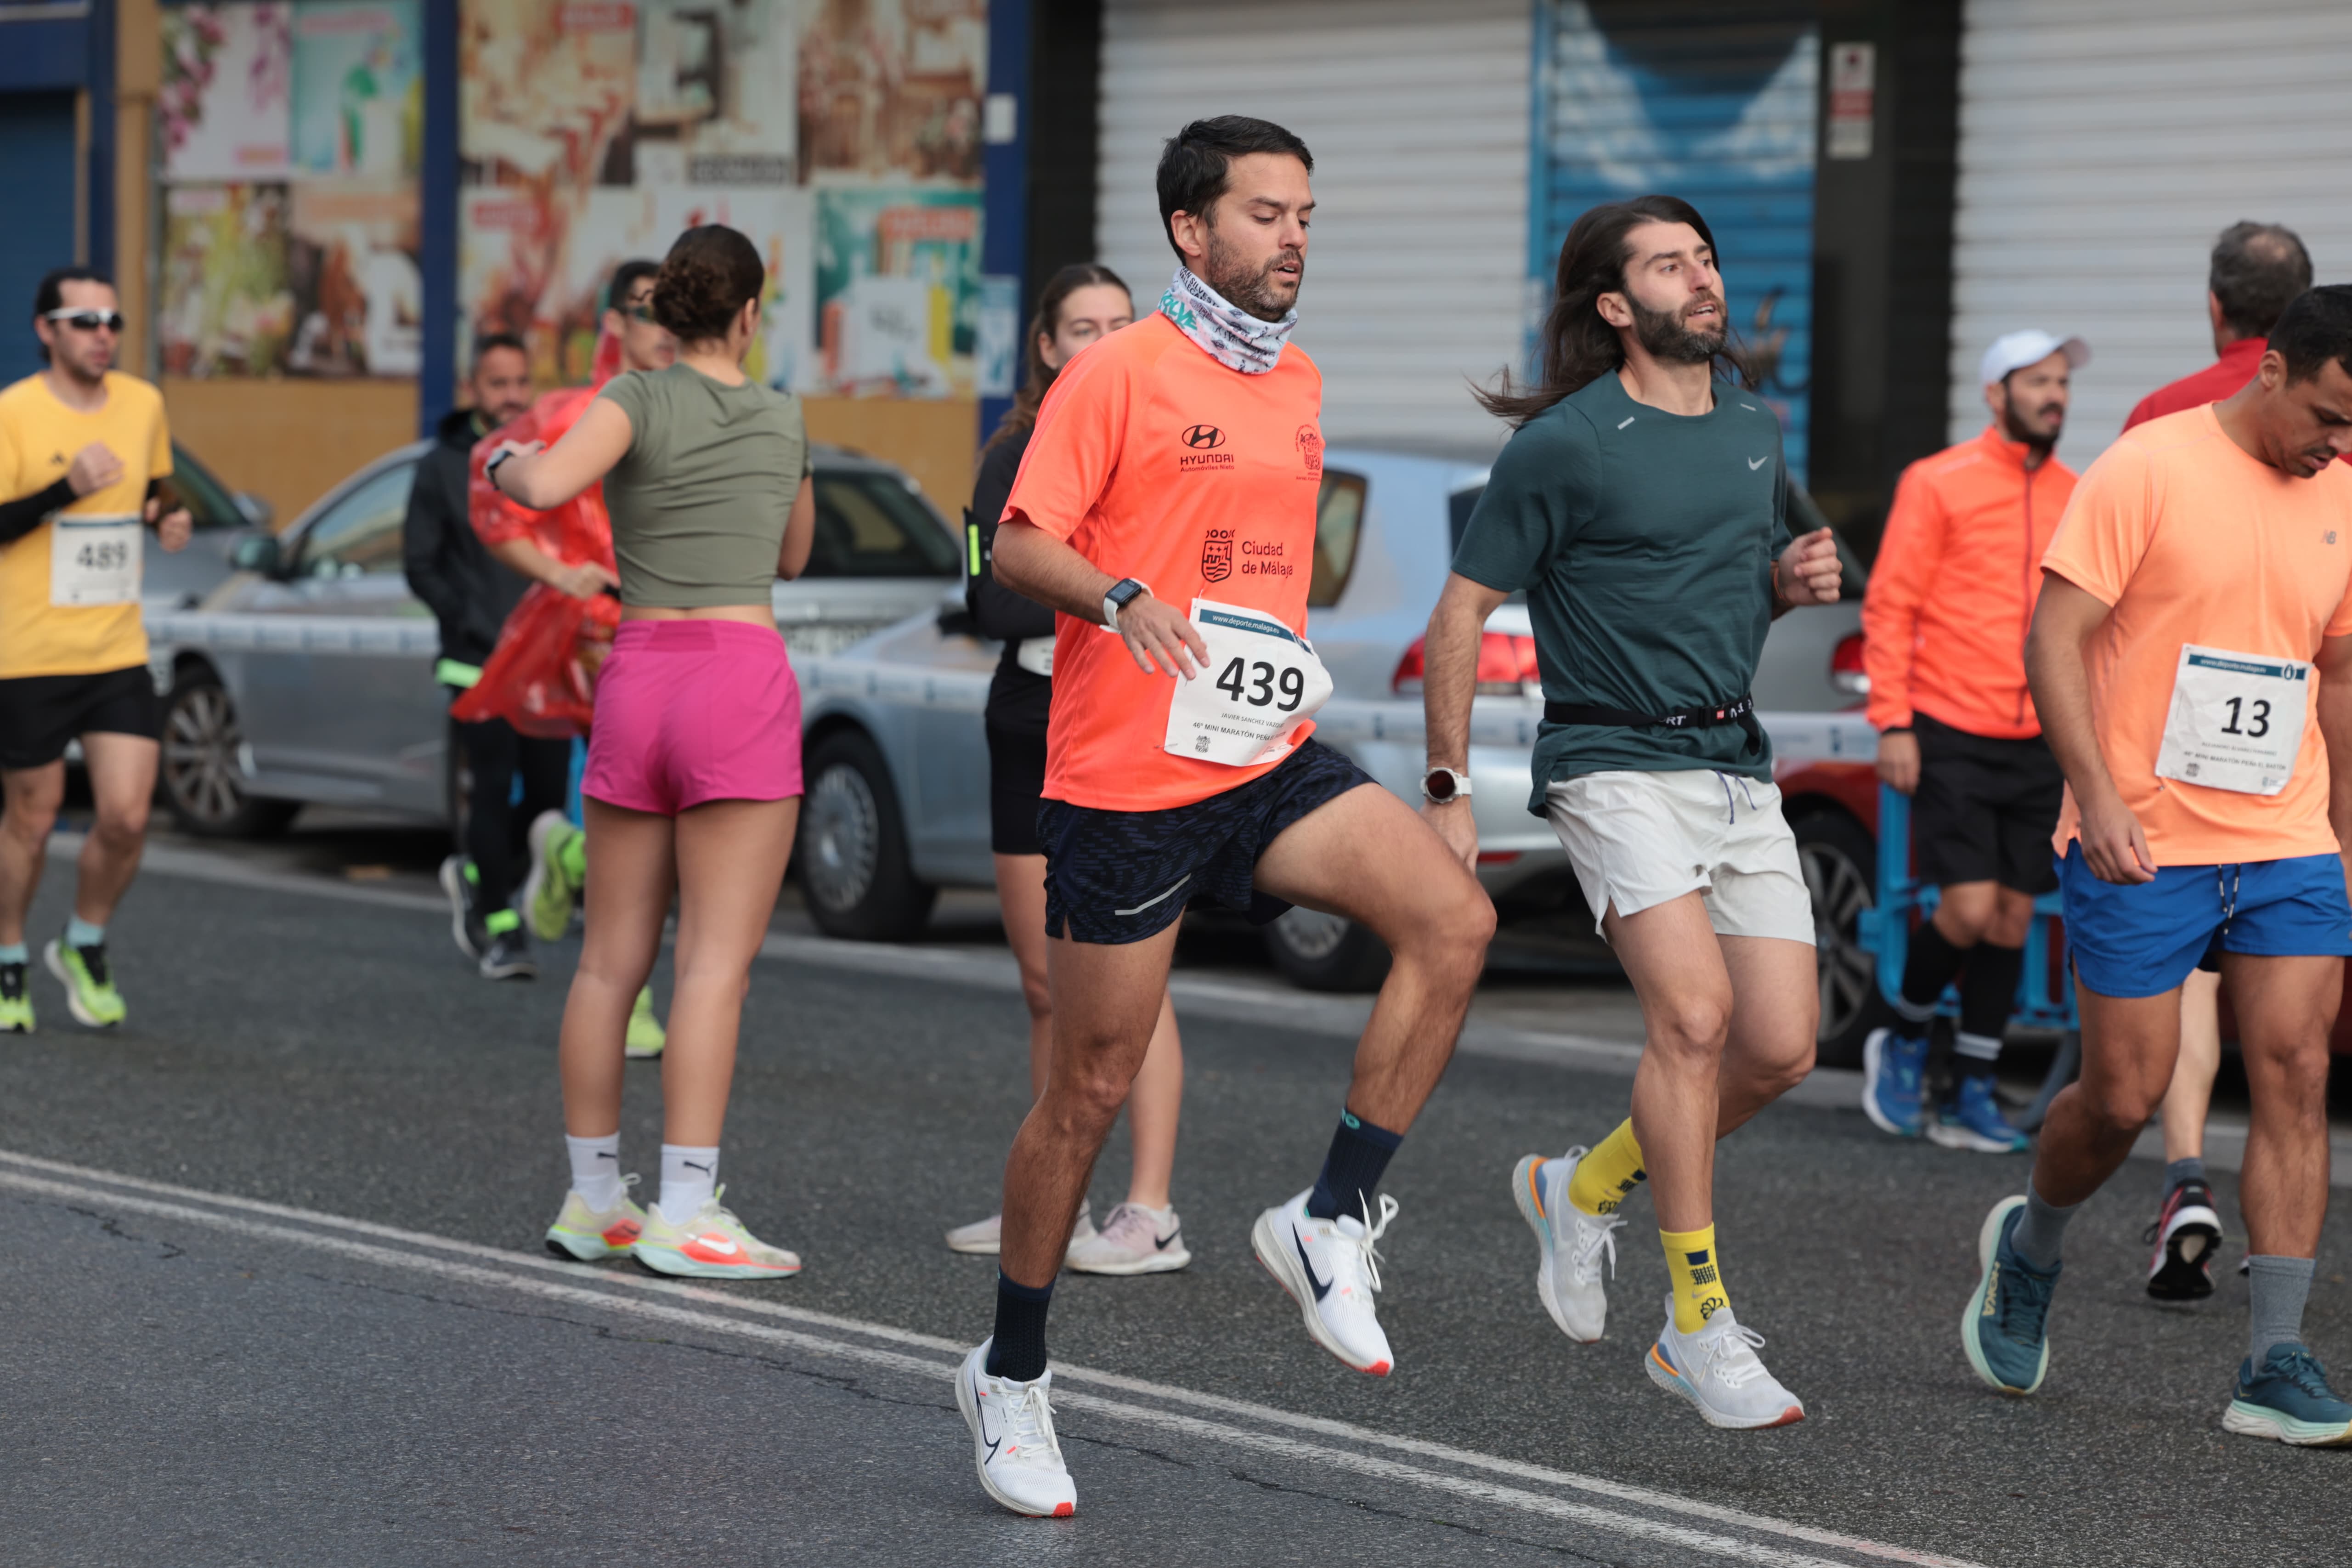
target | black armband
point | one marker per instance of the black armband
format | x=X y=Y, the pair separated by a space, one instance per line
x=20 y=517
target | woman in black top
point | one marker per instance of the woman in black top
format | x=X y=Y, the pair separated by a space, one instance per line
x=1080 y=304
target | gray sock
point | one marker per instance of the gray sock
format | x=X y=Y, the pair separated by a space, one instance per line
x=2279 y=1285
x=2040 y=1229
x=2176 y=1171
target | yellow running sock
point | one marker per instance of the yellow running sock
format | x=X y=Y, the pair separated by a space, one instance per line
x=1609 y=1174
x=1698 y=1275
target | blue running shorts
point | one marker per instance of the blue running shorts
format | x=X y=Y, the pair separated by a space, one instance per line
x=1122 y=876
x=2142 y=940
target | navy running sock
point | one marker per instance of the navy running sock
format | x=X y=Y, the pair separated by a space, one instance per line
x=1019 y=1348
x=1352 y=1169
x=1927 y=969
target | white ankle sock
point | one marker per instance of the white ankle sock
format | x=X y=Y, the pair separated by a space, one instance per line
x=689 y=1178
x=596 y=1170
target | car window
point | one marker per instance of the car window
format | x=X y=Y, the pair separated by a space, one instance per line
x=208 y=502
x=1339 y=524
x=360 y=534
x=872 y=525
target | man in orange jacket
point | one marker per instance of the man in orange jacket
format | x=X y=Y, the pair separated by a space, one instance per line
x=1944 y=627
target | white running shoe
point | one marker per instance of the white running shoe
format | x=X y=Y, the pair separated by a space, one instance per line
x=1717 y=1370
x=1133 y=1240
x=712 y=1245
x=589 y=1235
x=1013 y=1443
x=1568 y=1280
x=1331 y=1271
x=985 y=1237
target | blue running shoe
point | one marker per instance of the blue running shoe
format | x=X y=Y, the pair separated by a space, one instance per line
x=2289 y=1401
x=2007 y=1329
x=1973 y=1122
x=1891 y=1065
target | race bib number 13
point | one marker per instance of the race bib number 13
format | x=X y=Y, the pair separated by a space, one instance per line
x=2236 y=721
x=1261 y=682
x=94 y=560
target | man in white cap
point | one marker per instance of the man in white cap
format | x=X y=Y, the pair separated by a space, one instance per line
x=1944 y=627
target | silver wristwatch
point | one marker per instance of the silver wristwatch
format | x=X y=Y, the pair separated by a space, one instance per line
x=1442 y=784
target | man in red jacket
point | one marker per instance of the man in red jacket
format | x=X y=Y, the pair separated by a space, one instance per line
x=2258 y=270
x=1944 y=628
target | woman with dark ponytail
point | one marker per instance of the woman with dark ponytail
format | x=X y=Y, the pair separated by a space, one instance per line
x=1080 y=304
x=693 y=782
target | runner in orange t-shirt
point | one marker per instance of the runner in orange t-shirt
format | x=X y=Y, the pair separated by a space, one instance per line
x=2191 y=661
x=1168 y=500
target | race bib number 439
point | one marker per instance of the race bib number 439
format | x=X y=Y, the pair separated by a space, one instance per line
x=1259 y=685
x=2236 y=721
x=94 y=561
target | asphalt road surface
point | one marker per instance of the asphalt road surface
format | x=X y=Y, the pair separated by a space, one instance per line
x=278 y=1296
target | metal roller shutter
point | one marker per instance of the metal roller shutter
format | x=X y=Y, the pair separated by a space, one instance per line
x=1418 y=118
x=2104 y=143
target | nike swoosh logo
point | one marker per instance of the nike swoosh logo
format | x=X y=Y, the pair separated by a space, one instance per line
x=980 y=1404
x=1322 y=1288
x=717 y=1244
x=1756 y=463
x=1161 y=1242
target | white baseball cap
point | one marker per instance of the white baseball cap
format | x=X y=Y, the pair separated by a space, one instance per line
x=2029 y=345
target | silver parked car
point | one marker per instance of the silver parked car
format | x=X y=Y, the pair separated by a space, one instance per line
x=308 y=675
x=897 y=768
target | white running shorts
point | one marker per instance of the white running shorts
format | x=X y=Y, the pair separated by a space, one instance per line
x=1638 y=839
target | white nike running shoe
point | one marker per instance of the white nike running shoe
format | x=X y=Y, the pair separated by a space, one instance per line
x=1013 y=1443
x=1331 y=1271
x=1717 y=1370
x=713 y=1244
x=1568 y=1280
x=985 y=1237
x=1133 y=1240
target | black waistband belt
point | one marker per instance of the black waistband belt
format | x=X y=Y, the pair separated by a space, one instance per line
x=1740 y=712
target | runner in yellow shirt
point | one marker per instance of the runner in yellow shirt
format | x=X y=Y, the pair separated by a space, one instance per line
x=83 y=452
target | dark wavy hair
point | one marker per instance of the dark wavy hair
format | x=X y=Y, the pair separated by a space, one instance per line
x=707 y=277
x=1195 y=163
x=1021 y=417
x=1578 y=347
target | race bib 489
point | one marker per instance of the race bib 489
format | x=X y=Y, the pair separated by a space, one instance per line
x=94 y=560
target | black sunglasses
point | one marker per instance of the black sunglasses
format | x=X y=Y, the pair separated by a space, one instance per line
x=88 y=321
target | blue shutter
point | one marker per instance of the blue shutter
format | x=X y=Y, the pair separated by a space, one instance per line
x=1710 y=101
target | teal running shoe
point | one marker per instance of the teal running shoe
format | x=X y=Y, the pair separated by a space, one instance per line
x=89 y=988
x=2288 y=1401
x=1891 y=1068
x=551 y=891
x=16 y=1001
x=2007 y=1329
x=1973 y=1122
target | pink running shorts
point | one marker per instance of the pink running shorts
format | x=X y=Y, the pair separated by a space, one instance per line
x=689 y=712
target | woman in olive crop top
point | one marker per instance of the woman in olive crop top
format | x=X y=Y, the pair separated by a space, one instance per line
x=694 y=755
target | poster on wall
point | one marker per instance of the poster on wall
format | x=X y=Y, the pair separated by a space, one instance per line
x=359 y=94
x=596 y=132
x=224 y=108
x=226 y=305
x=351 y=265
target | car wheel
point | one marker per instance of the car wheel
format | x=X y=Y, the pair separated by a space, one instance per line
x=1327 y=952
x=203 y=779
x=854 y=863
x=1840 y=867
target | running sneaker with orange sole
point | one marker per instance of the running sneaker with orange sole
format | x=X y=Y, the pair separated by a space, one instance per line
x=582 y=1233
x=713 y=1244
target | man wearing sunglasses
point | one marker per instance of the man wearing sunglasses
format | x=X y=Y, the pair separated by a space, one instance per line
x=84 y=450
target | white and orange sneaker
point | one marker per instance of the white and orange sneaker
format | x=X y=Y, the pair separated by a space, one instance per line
x=1013 y=1442
x=1331 y=1270
x=580 y=1232
x=713 y=1244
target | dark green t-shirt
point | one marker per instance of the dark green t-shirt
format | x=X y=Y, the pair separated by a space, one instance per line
x=1645 y=541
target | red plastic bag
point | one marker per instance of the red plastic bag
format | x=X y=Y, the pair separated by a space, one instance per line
x=541 y=676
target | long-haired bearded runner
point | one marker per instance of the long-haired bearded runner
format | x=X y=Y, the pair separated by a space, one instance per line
x=1642 y=504
x=693 y=781
x=2191 y=660
x=1168 y=459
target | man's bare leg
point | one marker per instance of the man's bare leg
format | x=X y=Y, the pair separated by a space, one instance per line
x=2190 y=1095
x=2286 y=1009
x=122 y=784
x=29 y=798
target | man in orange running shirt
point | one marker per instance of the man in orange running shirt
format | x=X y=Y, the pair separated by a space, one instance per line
x=2191 y=660
x=1166 y=509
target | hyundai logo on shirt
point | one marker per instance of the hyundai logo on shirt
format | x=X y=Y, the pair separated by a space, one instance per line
x=1206 y=437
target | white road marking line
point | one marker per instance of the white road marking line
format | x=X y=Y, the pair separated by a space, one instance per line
x=505 y=1278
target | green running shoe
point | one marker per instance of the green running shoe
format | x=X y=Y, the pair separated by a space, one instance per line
x=89 y=989
x=646 y=1036
x=2006 y=1330
x=16 y=1001
x=551 y=889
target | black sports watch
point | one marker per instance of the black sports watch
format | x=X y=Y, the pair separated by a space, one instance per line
x=490 y=468
x=1123 y=593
